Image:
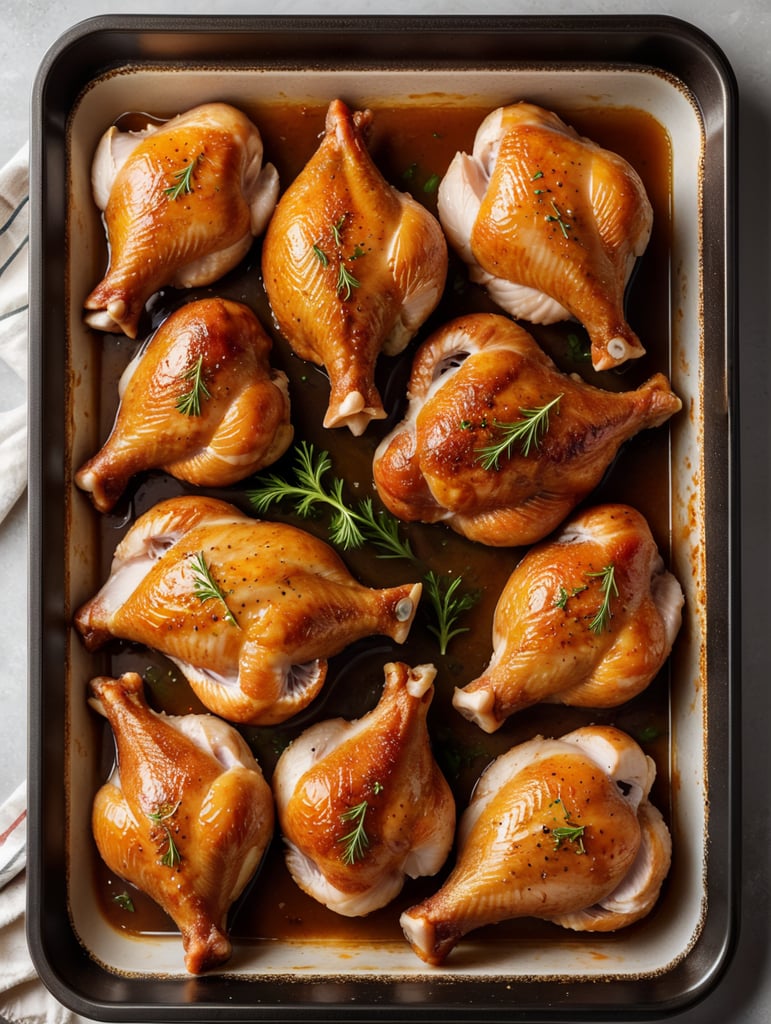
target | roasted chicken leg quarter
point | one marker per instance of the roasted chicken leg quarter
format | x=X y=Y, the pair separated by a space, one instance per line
x=363 y=804
x=498 y=443
x=186 y=815
x=249 y=611
x=550 y=223
x=559 y=829
x=200 y=401
x=587 y=618
x=182 y=203
x=352 y=267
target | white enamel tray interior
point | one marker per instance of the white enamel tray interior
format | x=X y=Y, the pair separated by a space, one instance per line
x=644 y=951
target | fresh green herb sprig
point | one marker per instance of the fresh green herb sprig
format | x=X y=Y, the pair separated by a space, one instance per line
x=609 y=590
x=320 y=255
x=558 y=218
x=183 y=180
x=172 y=856
x=189 y=403
x=337 y=229
x=349 y=527
x=569 y=832
x=352 y=527
x=124 y=901
x=529 y=431
x=206 y=588
x=356 y=840
x=564 y=595
x=448 y=605
x=346 y=281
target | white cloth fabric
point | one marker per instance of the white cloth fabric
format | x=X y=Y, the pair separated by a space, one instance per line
x=14 y=243
x=23 y=998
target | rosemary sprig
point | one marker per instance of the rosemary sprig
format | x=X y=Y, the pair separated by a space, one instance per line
x=172 y=856
x=348 y=527
x=447 y=606
x=382 y=530
x=569 y=832
x=189 y=403
x=356 y=841
x=565 y=594
x=557 y=217
x=609 y=590
x=320 y=255
x=205 y=587
x=337 y=230
x=183 y=179
x=528 y=431
x=346 y=282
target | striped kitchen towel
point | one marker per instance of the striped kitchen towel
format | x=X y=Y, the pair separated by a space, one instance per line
x=23 y=998
x=14 y=243
x=13 y=834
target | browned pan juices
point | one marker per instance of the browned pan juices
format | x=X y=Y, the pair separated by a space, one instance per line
x=412 y=145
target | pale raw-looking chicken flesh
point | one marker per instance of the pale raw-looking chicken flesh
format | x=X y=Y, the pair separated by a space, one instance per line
x=481 y=382
x=200 y=401
x=559 y=829
x=352 y=267
x=587 y=619
x=248 y=610
x=363 y=804
x=185 y=816
x=550 y=223
x=182 y=203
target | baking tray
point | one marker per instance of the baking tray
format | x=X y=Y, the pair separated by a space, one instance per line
x=660 y=66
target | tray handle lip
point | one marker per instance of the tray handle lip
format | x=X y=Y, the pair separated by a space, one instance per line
x=646 y=31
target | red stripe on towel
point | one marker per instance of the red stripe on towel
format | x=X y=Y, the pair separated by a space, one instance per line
x=12 y=826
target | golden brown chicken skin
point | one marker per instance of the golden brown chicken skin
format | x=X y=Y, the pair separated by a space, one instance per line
x=352 y=267
x=550 y=223
x=200 y=401
x=478 y=381
x=587 y=618
x=249 y=610
x=560 y=829
x=186 y=815
x=363 y=804
x=182 y=204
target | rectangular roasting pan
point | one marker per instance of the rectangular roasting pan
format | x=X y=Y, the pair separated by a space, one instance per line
x=164 y=65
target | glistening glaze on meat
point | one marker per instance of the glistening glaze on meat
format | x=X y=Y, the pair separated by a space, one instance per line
x=200 y=401
x=376 y=775
x=470 y=379
x=587 y=618
x=182 y=204
x=550 y=223
x=557 y=829
x=249 y=610
x=186 y=815
x=351 y=266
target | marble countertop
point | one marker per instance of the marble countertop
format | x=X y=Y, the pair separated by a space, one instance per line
x=742 y=29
